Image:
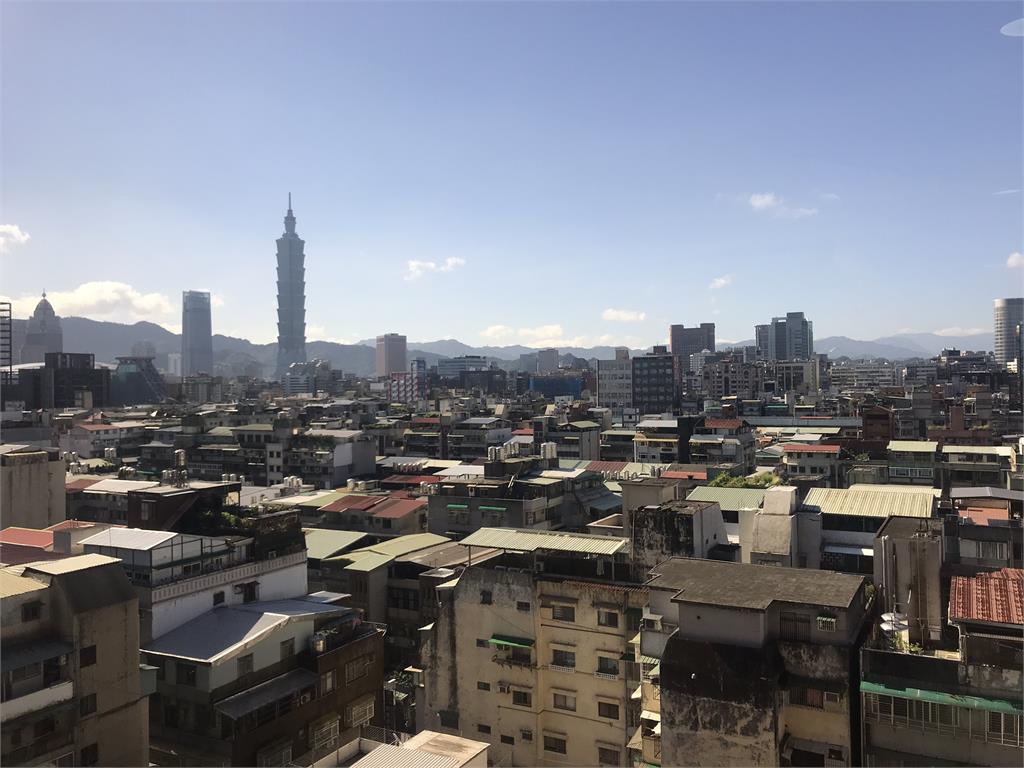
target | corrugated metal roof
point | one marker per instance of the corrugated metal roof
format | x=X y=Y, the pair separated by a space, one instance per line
x=30 y=537
x=120 y=486
x=729 y=499
x=12 y=584
x=996 y=598
x=809 y=448
x=71 y=564
x=129 y=538
x=324 y=542
x=983 y=450
x=913 y=446
x=388 y=756
x=530 y=541
x=864 y=503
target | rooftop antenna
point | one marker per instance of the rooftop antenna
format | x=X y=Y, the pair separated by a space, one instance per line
x=289 y=201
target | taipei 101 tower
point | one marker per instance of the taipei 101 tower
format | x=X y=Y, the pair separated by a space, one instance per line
x=291 y=296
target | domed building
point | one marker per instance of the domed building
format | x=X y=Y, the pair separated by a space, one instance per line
x=42 y=333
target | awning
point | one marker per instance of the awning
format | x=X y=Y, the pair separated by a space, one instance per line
x=18 y=656
x=936 y=697
x=488 y=508
x=657 y=730
x=276 y=688
x=648 y=715
x=840 y=549
x=512 y=642
x=458 y=506
x=637 y=694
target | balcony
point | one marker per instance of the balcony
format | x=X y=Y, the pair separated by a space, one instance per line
x=229 y=575
x=561 y=668
x=37 y=700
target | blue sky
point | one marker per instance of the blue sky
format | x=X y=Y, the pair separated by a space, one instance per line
x=558 y=173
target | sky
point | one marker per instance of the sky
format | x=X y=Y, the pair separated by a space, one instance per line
x=564 y=174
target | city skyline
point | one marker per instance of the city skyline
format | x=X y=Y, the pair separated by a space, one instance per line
x=561 y=162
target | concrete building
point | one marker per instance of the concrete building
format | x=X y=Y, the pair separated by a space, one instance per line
x=785 y=338
x=755 y=664
x=43 y=333
x=615 y=382
x=685 y=342
x=136 y=381
x=913 y=462
x=196 y=333
x=73 y=690
x=65 y=380
x=1008 y=320
x=391 y=355
x=654 y=382
x=291 y=296
x=471 y=438
x=31 y=486
x=731 y=377
x=578 y=440
x=529 y=650
x=547 y=360
x=869 y=375
x=454 y=367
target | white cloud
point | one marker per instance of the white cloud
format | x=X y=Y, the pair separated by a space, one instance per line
x=540 y=331
x=316 y=332
x=830 y=196
x=12 y=234
x=497 y=332
x=623 y=315
x=1015 y=260
x=105 y=300
x=957 y=330
x=768 y=201
x=552 y=335
x=1006 y=192
x=720 y=282
x=416 y=269
x=1014 y=28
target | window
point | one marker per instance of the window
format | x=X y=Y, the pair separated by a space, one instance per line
x=449 y=719
x=522 y=698
x=607 y=619
x=810 y=697
x=327 y=682
x=244 y=665
x=324 y=734
x=522 y=606
x=508 y=739
x=90 y=755
x=482 y=686
x=560 y=658
x=218 y=597
x=554 y=744
x=280 y=754
x=563 y=613
x=485 y=597
x=31 y=611
x=565 y=701
x=483 y=728
x=87 y=656
x=87 y=705
x=793 y=626
x=186 y=674
x=287 y=648
x=826 y=623
x=607 y=665
x=358 y=667
x=607 y=756
x=607 y=709
x=191 y=569
x=361 y=712
x=526 y=735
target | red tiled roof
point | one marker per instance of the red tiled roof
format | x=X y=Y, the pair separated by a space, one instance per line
x=80 y=483
x=996 y=598
x=352 y=501
x=523 y=431
x=681 y=474
x=984 y=515
x=809 y=448
x=28 y=537
x=19 y=554
x=723 y=423
x=395 y=508
x=410 y=479
x=607 y=466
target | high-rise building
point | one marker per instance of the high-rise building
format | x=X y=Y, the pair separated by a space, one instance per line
x=689 y=341
x=196 y=333
x=391 y=354
x=291 y=296
x=786 y=338
x=1009 y=318
x=42 y=333
x=654 y=381
x=547 y=360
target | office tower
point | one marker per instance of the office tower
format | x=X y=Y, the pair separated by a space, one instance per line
x=196 y=333
x=291 y=296
x=391 y=354
x=615 y=381
x=786 y=338
x=654 y=381
x=547 y=360
x=42 y=333
x=689 y=341
x=1009 y=316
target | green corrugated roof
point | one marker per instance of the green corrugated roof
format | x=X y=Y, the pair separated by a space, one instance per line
x=870 y=503
x=584 y=424
x=508 y=640
x=973 y=702
x=324 y=542
x=729 y=499
x=913 y=446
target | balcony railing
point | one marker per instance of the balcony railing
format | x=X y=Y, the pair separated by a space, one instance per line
x=37 y=700
x=561 y=668
x=217 y=578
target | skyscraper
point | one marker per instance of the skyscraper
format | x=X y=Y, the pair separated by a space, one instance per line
x=196 y=333
x=786 y=338
x=689 y=341
x=291 y=296
x=43 y=333
x=391 y=354
x=1009 y=315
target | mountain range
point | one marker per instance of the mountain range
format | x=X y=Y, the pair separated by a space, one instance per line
x=108 y=340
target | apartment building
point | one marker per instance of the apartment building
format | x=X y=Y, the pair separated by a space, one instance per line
x=328 y=458
x=528 y=650
x=654 y=382
x=31 y=486
x=73 y=691
x=615 y=381
x=719 y=442
x=977 y=465
x=470 y=438
x=579 y=439
x=428 y=436
x=755 y=664
x=656 y=441
x=812 y=464
x=913 y=462
x=731 y=377
x=686 y=342
x=265 y=684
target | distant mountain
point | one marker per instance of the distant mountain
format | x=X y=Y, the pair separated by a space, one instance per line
x=930 y=344
x=902 y=346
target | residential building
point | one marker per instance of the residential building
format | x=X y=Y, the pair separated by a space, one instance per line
x=428 y=436
x=291 y=296
x=1008 y=320
x=812 y=464
x=977 y=465
x=800 y=376
x=580 y=439
x=656 y=441
x=381 y=515
x=91 y=439
x=618 y=445
x=269 y=683
x=654 y=382
x=723 y=442
x=731 y=377
x=471 y=438
x=755 y=664
x=329 y=458
x=786 y=338
x=196 y=333
x=685 y=342
x=391 y=355
x=870 y=375
x=676 y=528
x=43 y=334
x=31 y=486
x=528 y=651
x=615 y=382
x=73 y=690
x=913 y=462
x=547 y=360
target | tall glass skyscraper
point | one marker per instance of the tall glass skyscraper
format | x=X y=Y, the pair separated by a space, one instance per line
x=1009 y=316
x=196 y=334
x=291 y=296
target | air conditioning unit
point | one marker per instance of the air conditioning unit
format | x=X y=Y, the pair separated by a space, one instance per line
x=504 y=688
x=305 y=698
x=63 y=659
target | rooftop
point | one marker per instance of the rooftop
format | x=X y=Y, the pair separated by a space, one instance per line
x=729 y=499
x=809 y=448
x=530 y=541
x=12 y=584
x=29 y=537
x=913 y=446
x=865 y=503
x=742 y=585
x=991 y=598
x=129 y=538
x=71 y=564
x=979 y=450
x=321 y=543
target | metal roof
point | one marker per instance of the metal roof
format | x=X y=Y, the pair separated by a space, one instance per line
x=324 y=542
x=913 y=446
x=388 y=756
x=1002 y=450
x=530 y=541
x=985 y=492
x=12 y=584
x=266 y=693
x=994 y=598
x=120 y=486
x=864 y=503
x=729 y=499
x=129 y=538
x=71 y=564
